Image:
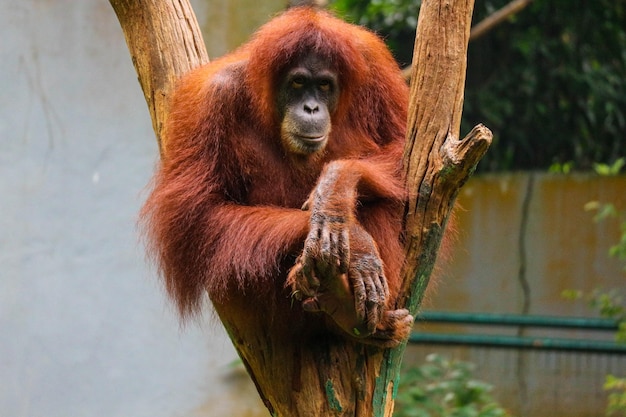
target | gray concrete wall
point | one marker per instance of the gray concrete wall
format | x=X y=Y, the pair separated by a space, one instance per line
x=84 y=327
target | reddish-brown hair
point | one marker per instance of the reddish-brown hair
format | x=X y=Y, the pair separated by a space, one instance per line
x=224 y=214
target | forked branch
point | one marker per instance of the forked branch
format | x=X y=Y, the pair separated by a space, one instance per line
x=164 y=41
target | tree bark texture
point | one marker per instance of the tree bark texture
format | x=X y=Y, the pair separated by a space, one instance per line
x=331 y=376
x=437 y=163
x=165 y=42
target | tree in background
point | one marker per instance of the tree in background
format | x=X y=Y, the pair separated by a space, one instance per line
x=550 y=82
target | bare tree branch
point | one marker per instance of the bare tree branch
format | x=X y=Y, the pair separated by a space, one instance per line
x=487 y=24
x=494 y=19
x=437 y=163
x=164 y=41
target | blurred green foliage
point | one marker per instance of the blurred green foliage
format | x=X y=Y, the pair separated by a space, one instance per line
x=610 y=303
x=445 y=388
x=550 y=82
x=617 y=396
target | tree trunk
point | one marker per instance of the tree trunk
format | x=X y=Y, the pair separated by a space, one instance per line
x=165 y=42
x=330 y=376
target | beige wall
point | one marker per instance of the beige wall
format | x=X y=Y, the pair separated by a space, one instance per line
x=226 y=24
x=563 y=248
x=562 y=245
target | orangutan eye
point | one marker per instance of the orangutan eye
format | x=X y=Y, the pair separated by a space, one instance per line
x=324 y=85
x=297 y=83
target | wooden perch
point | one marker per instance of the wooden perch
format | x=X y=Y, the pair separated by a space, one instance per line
x=437 y=163
x=340 y=377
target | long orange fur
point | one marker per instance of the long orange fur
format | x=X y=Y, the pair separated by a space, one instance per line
x=224 y=213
